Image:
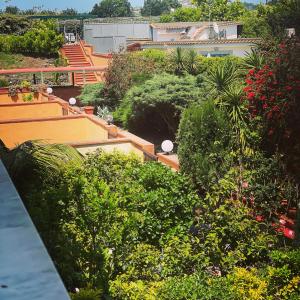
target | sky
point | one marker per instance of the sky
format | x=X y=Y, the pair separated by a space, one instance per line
x=80 y=5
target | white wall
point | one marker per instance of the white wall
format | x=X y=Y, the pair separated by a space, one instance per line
x=167 y=35
x=129 y=30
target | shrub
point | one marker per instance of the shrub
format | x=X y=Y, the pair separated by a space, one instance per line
x=193 y=287
x=92 y=94
x=87 y=294
x=247 y=284
x=271 y=94
x=41 y=39
x=16 y=25
x=104 y=212
x=3 y=82
x=157 y=104
x=126 y=70
x=203 y=141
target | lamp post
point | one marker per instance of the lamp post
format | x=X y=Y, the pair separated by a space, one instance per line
x=167 y=146
x=49 y=90
x=72 y=101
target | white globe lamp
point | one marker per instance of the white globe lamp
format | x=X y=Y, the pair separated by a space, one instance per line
x=49 y=90
x=109 y=119
x=167 y=146
x=72 y=101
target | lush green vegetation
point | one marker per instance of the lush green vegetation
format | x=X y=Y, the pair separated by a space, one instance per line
x=92 y=94
x=31 y=38
x=157 y=105
x=259 y=21
x=112 y=8
x=118 y=228
x=158 y=7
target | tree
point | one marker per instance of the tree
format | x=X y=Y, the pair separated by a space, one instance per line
x=13 y=10
x=14 y=24
x=158 y=7
x=284 y=14
x=255 y=23
x=69 y=12
x=128 y=69
x=183 y=14
x=220 y=10
x=203 y=139
x=112 y=8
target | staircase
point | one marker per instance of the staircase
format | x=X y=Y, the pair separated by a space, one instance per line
x=76 y=58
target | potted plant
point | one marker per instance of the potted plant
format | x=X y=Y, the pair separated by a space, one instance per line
x=13 y=90
x=25 y=85
x=28 y=97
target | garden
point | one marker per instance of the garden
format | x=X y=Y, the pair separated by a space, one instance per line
x=226 y=227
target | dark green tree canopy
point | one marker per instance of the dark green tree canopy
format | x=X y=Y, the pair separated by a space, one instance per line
x=13 y=10
x=112 y=8
x=158 y=7
x=69 y=12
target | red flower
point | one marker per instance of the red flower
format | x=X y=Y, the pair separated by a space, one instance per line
x=251 y=72
x=282 y=46
x=270 y=132
x=265 y=106
x=263 y=97
x=249 y=81
x=288 y=88
x=251 y=95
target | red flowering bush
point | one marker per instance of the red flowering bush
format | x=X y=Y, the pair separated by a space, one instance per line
x=273 y=92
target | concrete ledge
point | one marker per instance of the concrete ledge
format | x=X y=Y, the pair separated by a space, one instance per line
x=26 y=269
x=170 y=160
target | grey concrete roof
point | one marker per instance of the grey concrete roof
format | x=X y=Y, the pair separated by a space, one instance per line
x=26 y=270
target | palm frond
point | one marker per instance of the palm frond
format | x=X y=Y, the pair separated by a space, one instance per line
x=37 y=157
x=253 y=60
x=222 y=77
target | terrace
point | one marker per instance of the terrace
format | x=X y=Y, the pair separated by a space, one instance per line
x=47 y=117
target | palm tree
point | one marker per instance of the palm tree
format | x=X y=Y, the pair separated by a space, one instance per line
x=178 y=59
x=32 y=159
x=221 y=77
x=254 y=60
x=191 y=62
x=231 y=102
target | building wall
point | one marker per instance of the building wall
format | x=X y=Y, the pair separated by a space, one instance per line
x=110 y=37
x=108 y=44
x=129 y=30
x=175 y=34
x=162 y=35
x=30 y=110
x=126 y=148
x=60 y=130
